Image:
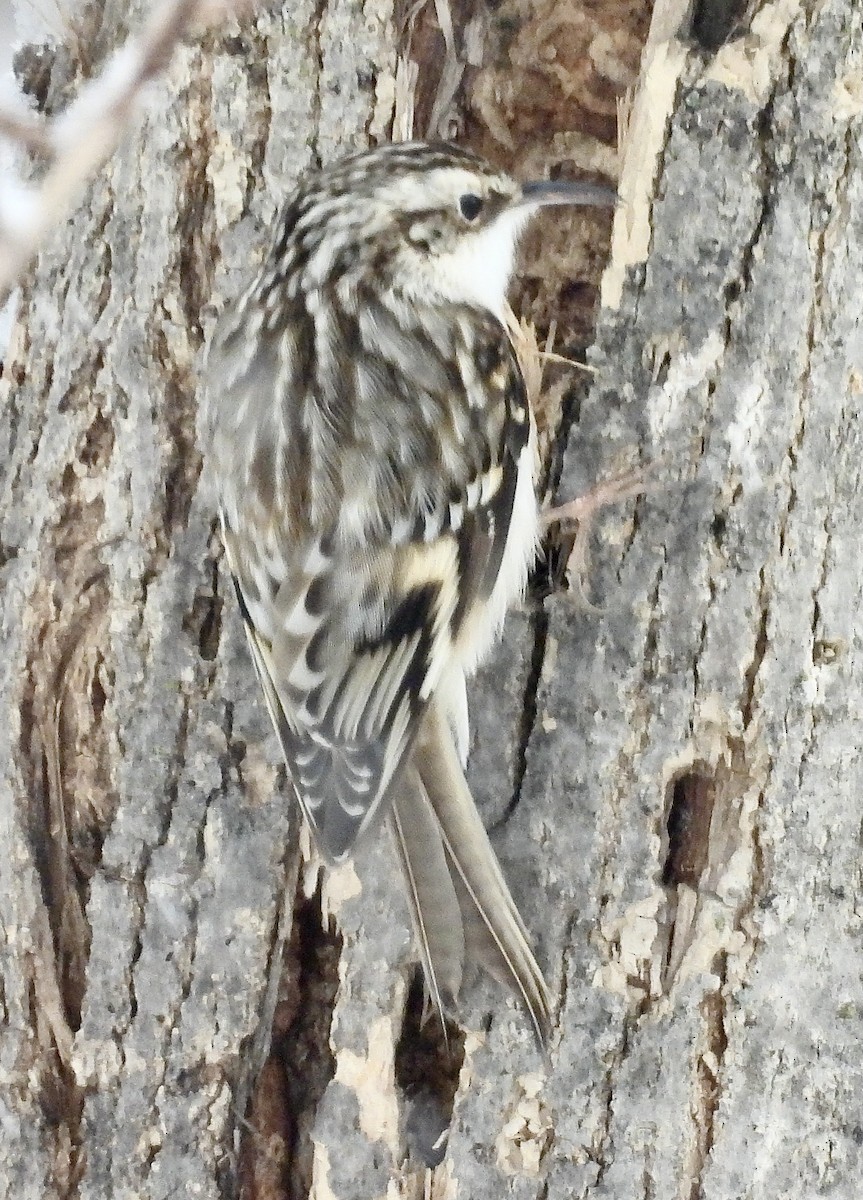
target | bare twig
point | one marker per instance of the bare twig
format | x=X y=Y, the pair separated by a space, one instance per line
x=26 y=129
x=82 y=139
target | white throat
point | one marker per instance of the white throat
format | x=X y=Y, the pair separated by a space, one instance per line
x=478 y=270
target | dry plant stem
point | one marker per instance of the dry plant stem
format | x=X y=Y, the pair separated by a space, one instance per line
x=85 y=136
x=563 y=361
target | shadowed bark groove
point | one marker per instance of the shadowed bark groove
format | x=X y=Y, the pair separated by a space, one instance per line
x=277 y=1151
x=428 y=1061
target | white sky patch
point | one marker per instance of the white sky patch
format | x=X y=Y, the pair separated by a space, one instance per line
x=17 y=206
x=40 y=20
x=7 y=38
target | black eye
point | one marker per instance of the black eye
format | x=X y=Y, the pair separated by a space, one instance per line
x=470 y=206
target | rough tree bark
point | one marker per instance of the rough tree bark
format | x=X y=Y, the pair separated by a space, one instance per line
x=673 y=776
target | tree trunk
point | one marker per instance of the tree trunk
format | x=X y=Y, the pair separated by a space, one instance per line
x=672 y=774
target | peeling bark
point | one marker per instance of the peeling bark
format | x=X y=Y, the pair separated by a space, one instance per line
x=671 y=776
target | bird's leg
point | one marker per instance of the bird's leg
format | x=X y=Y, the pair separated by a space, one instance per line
x=575 y=517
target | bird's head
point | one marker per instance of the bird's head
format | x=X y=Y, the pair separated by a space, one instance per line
x=433 y=221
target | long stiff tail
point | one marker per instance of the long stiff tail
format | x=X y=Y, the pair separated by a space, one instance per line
x=461 y=907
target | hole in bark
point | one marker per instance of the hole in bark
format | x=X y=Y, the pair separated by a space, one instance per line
x=690 y=811
x=98 y=699
x=203 y=623
x=277 y=1149
x=715 y=21
x=732 y=291
x=97 y=443
x=826 y=652
x=427 y=1065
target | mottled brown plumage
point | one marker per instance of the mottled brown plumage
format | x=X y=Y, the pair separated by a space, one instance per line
x=366 y=421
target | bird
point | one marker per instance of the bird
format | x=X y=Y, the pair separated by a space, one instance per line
x=366 y=422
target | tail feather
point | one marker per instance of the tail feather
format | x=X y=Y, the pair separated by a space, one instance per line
x=462 y=880
x=434 y=905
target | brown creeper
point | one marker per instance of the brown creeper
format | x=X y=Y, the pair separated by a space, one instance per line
x=367 y=423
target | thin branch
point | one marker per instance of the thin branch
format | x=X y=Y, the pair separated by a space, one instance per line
x=83 y=138
x=26 y=129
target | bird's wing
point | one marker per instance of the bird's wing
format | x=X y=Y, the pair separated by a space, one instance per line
x=351 y=632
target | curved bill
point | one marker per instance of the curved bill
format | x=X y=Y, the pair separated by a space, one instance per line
x=566 y=191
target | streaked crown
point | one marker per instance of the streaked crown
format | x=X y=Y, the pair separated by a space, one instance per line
x=431 y=221
x=425 y=219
